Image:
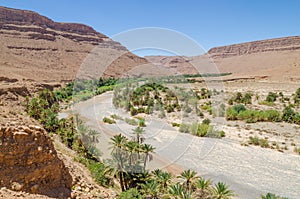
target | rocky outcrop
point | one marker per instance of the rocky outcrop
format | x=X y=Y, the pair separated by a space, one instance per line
x=29 y=162
x=24 y=17
x=270 y=45
x=35 y=47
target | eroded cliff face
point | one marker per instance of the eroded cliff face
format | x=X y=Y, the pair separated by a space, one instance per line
x=36 y=48
x=270 y=45
x=29 y=162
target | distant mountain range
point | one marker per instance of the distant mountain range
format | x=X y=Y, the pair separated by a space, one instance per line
x=35 y=47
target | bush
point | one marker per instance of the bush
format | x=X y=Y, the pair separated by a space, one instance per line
x=202 y=130
x=272 y=196
x=251 y=116
x=239 y=108
x=142 y=122
x=297 y=96
x=288 y=114
x=221 y=134
x=231 y=114
x=264 y=143
x=174 y=124
x=98 y=171
x=116 y=117
x=132 y=193
x=132 y=122
x=133 y=111
x=108 y=120
x=254 y=140
x=271 y=97
x=247 y=99
x=206 y=121
x=184 y=128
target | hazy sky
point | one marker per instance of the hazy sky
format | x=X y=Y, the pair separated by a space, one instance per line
x=210 y=22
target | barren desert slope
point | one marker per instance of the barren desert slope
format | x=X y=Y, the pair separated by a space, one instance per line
x=274 y=59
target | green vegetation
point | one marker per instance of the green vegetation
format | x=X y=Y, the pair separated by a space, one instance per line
x=85 y=89
x=271 y=97
x=264 y=143
x=239 y=112
x=108 y=120
x=129 y=160
x=203 y=129
x=240 y=98
x=297 y=97
x=132 y=121
x=146 y=98
x=289 y=115
x=272 y=196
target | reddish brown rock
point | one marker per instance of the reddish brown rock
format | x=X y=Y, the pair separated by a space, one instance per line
x=26 y=163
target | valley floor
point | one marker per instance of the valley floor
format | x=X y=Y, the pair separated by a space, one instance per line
x=250 y=171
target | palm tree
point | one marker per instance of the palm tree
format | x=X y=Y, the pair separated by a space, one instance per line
x=157 y=172
x=164 y=179
x=272 y=196
x=221 y=191
x=138 y=131
x=178 y=191
x=203 y=186
x=147 y=149
x=118 y=142
x=189 y=176
x=151 y=188
x=132 y=147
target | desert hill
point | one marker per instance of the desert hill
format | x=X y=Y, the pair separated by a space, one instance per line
x=275 y=59
x=37 y=48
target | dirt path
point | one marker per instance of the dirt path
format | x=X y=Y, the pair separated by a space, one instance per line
x=250 y=171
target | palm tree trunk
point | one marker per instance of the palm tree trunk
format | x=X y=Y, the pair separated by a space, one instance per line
x=121 y=181
x=145 y=161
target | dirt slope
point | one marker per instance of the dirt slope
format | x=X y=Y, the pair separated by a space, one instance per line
x=278 y=59
x=37 y=48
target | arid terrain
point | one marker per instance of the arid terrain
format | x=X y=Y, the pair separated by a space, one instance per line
x=38 y=53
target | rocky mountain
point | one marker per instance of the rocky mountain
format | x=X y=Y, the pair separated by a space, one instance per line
x=275 y=59
x=35 y=47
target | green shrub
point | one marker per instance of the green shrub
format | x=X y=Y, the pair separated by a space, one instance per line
x=132 y=122
x=271 y=97
x=297 y=97
x=206 y=121
x=142 y=122
x=231 y=114
x=98 y=171
x=132 y=193
x=133 y=111
x=266 y=103
x=239 y=108
x=203 y=130
x=221 y=134
x=254 y=140
x=174 y=124
x=194 y=128
x=184 y=128
x=288 y=114
x=108 y=120
x=247 y=99
x=251 y=116
x=272 y=196
x=116 y=117
x=258 y=141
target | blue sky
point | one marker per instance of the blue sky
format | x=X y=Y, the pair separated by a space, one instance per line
x=210 y=22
